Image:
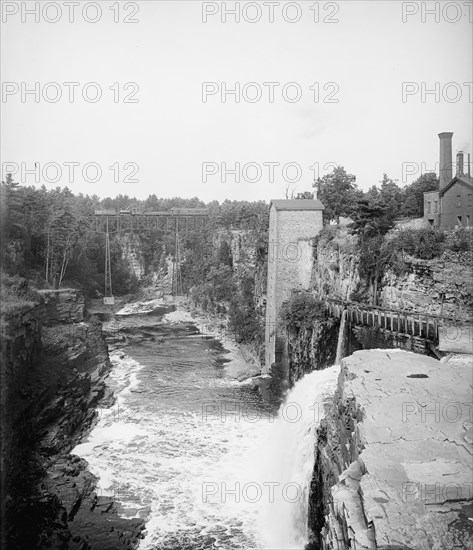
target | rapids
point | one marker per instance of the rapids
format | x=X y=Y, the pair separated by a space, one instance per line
x=202 y=457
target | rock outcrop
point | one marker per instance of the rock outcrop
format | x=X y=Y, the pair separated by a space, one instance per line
x=54 y=365
x=62 y=306
x=394 y=455
x=441 y=286
x=335 y=270
x=132 y=252
x=312 y=348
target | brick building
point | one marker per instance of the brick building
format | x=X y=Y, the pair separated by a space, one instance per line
x=452 y=205
x=292 y=226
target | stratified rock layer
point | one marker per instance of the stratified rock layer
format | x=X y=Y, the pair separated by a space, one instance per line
x=394 y=456
x=441 y=286
x=312 y=348
x=53 y=370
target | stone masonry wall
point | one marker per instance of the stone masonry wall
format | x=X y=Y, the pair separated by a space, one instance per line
x=289 y=265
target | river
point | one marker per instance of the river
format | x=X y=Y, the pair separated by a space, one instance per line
x=203 y=458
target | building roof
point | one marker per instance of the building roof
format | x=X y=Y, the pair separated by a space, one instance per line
x=465 y=180
x=297 y=204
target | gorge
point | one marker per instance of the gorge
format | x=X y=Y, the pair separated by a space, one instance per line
x=144 y=437
x=236 y=275
x=55 y=362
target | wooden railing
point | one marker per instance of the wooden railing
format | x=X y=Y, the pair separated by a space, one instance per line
x=421 y=325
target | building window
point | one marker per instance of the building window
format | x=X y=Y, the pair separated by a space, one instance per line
x=436 y=207
x=431 y=222
x=459 y=200
x=428 y=207
x=468 y=223
x=470 y=199
x=459 y=220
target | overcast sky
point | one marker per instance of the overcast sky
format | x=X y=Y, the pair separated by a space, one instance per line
x=359 y=53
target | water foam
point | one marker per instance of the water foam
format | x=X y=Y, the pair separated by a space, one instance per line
x=157 y=456
x=156 y=462
x=135 y=308
x=116 y=430
x=289 y=460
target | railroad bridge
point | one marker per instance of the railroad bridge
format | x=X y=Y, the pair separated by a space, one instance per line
x=175 y=221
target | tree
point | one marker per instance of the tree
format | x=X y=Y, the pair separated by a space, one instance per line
x=243 y=319
x=338 y=193
x=11 y=206
x=389 y=200
x=225 y=254
x=301 y=311
x=413 y=195
x=66 y=229
x=305 y=195
x=372 y=193
x=372 y=220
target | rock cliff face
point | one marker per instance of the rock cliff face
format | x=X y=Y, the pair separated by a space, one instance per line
x=335 y=271
x=312 y=349
x=62 y=306
x=54 y=363
x=132 y=253
x=442 y=286
x=394 y=455
x=242 y=243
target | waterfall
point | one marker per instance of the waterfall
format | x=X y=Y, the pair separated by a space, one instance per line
x=341 y=338
x=289 y=463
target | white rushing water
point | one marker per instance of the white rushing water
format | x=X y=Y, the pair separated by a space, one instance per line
x=199 y=455
x=178 y=446
x=289 y=460
x=341 y=345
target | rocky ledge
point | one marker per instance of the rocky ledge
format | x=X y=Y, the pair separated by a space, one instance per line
x=394 y=466
x=54 y=365
x=65 y=305
x=312 y=348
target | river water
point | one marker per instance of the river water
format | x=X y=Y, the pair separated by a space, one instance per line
x=205 y=459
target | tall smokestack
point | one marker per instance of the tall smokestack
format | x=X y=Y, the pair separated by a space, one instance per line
x=460 y=163
x=445 y=170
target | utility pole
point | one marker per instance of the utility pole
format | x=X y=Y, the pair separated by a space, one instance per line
x=47 y=257
x=176 y=272
x=108 y=298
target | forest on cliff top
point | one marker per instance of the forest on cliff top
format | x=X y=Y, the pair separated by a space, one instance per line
x=47 y=241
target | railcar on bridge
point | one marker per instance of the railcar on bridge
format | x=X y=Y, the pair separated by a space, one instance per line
x=176 y=221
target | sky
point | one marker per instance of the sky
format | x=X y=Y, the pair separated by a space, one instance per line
x=363 y=84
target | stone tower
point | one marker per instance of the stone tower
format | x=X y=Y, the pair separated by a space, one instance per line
x=292 y=225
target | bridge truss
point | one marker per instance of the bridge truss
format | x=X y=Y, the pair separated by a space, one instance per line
x=174 y=220
x=177 y=221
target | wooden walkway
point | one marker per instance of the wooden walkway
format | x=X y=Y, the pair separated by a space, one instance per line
x=448 y=333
